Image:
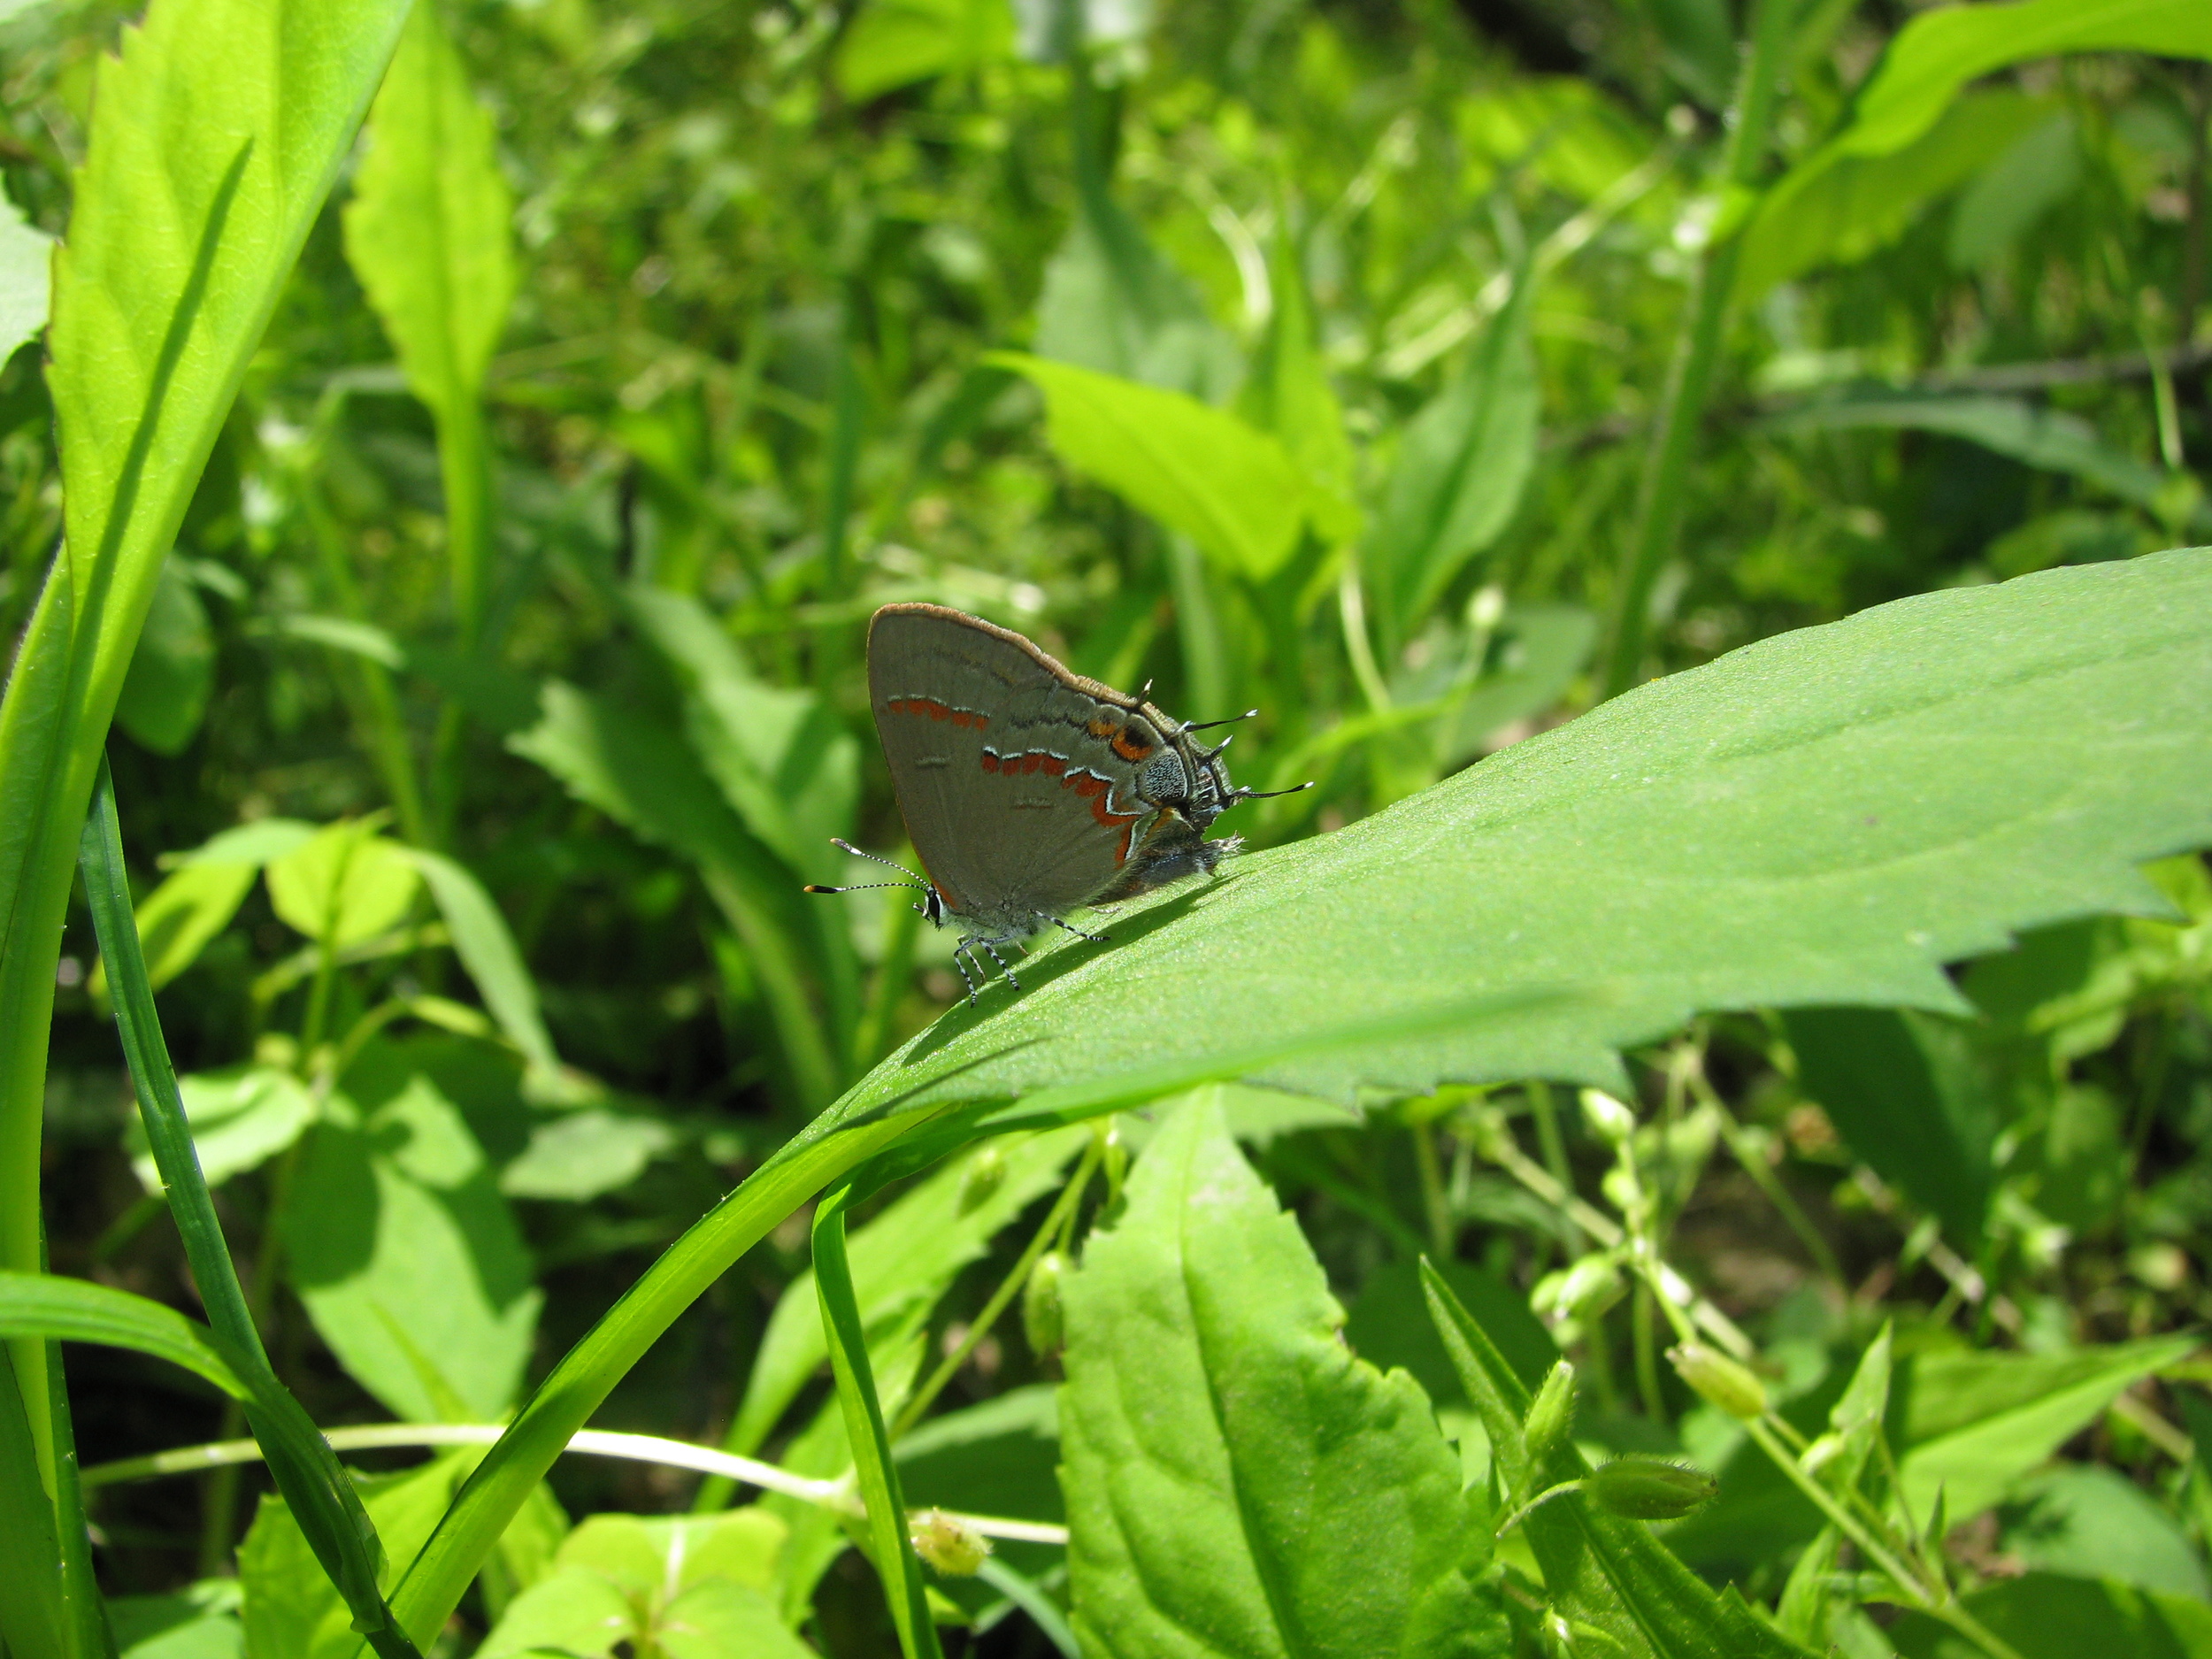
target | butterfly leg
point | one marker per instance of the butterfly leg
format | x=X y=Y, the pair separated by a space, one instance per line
x=960 y=953
x=992 y=946
x=1096 y=939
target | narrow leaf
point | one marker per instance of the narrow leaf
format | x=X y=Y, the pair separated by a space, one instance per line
x=74 y=1311
x=486 y=949
x=1461 y=466
x=879 y=1472
x=305 y=1469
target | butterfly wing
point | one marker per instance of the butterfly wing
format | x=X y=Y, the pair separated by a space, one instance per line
x=1005 y=765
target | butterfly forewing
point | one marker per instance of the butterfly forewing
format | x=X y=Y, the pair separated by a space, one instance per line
x=1004 y=764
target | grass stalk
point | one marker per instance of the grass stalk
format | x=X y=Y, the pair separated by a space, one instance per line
x=1689 y=379
x=306 y=1470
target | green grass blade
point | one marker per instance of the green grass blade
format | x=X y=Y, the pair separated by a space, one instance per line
x=76 y=1310
x=305 y=1469
x=31 y=1611
x=879 y=1472
x=834 y=1144
x=214 y=138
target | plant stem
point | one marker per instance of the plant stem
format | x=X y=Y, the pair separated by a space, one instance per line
x=1689 y=379
x=1063 y=1212
x=1543 y=1497
x=1438 y=1212
x=1544 y=1107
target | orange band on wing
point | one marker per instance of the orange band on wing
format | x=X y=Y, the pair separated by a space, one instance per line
x=934 y=710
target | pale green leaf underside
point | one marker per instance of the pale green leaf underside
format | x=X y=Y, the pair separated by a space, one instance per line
x=1238 y=1483
x=1825 y=817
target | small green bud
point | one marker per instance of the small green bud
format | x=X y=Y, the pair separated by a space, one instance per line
x=1044 y=1320
x=1582 y=1290
x=985 y=1173
x=1610 y=1120
x=1720 y=1381
x=1641 y=1487
x=947 y=1543
x=1551 y=1415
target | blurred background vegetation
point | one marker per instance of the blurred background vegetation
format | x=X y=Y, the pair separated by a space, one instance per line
x=757 y=255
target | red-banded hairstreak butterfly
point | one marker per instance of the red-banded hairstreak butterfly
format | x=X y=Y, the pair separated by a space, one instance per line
x=1028 y=790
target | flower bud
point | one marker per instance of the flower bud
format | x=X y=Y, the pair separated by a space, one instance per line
x=985 y=1173
x=1641 y=1487
x=1044 y=1321
x=1551 y=1415
x=1581 y=1291
x=947 y=1543
x=1720 y=1381
x=1610 y=1119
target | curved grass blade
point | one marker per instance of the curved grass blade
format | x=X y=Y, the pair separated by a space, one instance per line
x=871 y=1440
x=215 y=135
x=307 y=1471
x=76 y=1310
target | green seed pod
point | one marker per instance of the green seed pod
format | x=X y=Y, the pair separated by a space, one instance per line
x=1641 y=1487
x=1582 y=1290
x=1720 y=1381
x=985 y=1173
x=947 y=1543
x=1610 y=1120
x=1043 y=1319
x=1551 y=1415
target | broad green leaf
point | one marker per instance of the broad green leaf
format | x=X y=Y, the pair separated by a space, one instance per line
x=291 y=1607
x=408 y=1259
x=241 y=1117
x=347 y=884
x=902 y=1260
x=893 y=43
x=1821 y=817
x=427 y=229
x=2043 y=1615
x=1910 y=1096
x=1975 y=1423
x=572 y=1612
x=254 y=844
x=2090 y=1522
x=1859 y=201
x=1237 y=1481
x=695 y=1586
x=199 y=1623
x=177 y=919
x=76 y=1310
x=2045 y=438
x=1461 y=466
x=1198 y=470
x=172 y=672
x=26 y=254
x=581 y=1155
x=487 y=950
x=213 y=135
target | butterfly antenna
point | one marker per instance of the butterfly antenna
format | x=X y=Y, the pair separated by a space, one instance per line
x=1208 y=725
x=843 y=845
x=1272 y=794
